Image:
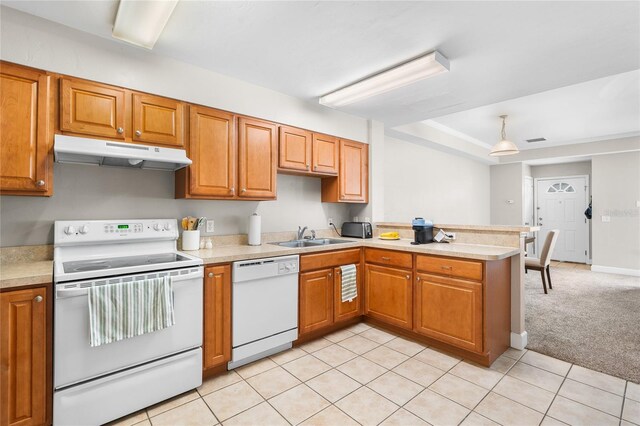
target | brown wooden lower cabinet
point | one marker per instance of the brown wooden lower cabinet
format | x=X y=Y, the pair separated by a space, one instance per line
x=316 y=300
x=217 y=316
x=389 y=295
x=24 y=354
x=320 y=289
x=449 y=310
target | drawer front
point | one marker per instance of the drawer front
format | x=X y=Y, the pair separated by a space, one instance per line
x=389 y=257
x=310 y=262
x=468 y=269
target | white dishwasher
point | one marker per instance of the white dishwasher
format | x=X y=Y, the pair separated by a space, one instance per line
x=265 y=307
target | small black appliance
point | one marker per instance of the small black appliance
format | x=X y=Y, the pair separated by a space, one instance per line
x=357 y=230
x=423 y=231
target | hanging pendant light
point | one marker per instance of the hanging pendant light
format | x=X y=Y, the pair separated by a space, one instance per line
x=504 y=147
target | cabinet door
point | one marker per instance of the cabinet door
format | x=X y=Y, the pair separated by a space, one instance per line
x=257 y=162
x=354 y=171
x=92 y=109
x=325 y=154
x=24 y=130
x=316 y=300
x=449 y=310
x=212 y=148
x=217 y=316
x=295 y=149
x=388 y=295
x=346 y=310
x=23 y=354
x=157 y=120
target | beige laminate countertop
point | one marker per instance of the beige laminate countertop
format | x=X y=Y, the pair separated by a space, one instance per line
x=13 y=275
x=24 y=274
x=223 y=254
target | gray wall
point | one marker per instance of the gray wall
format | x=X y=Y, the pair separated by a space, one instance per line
x=616 y=192
x=419 y=181
x=564 y=169
x=506 y=184
x=90 y=192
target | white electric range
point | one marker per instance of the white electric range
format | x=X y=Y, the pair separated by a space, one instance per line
x=94 y=385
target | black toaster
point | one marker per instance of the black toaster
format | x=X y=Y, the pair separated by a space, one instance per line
x=357 y=230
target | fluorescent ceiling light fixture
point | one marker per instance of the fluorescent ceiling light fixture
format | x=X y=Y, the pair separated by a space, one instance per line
x=504 y=147
x=141 y=22
x=410 y=72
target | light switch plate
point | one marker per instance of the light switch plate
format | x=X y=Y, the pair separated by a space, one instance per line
x=210 y=226
x=606 y=218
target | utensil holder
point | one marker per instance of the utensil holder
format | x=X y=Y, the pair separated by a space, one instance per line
x=191 y=240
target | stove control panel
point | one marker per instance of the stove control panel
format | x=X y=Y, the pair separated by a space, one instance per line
x=74 y=232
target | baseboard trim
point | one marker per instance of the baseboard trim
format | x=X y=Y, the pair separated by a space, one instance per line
x=612 y=270
x=519 y=341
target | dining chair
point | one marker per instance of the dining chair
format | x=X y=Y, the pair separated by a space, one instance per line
x=542 y=264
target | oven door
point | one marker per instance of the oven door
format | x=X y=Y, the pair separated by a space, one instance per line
x=76 y=361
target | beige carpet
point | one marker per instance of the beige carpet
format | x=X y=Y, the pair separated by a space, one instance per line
x=589 y=318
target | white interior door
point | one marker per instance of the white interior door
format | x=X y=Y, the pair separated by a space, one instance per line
x=528 y=214
x=561 y=203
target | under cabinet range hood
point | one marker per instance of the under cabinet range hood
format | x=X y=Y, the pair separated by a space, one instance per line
x=98 y=152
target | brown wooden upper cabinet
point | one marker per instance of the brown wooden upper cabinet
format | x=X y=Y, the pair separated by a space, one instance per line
x=352 y=183
x=257 y=158
x=95 y=109
x=92 y=109
x=212 y=148
x=157 y=120
x=303 y=152
x=295 y=149
x=23 y=357
x=26 y=164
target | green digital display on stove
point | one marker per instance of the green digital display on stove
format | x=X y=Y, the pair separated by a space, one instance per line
x=123 y=226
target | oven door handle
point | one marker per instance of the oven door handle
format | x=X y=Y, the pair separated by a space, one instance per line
x=62 y=293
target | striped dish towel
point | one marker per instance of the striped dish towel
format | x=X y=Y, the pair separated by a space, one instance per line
x=349 y=287
x=123 y=310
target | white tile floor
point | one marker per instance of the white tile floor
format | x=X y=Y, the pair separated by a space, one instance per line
x=367 y=376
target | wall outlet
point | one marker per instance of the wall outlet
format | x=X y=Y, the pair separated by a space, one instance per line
x=606 y=218
x=367 y=219
x=451 y=235
x=330 y=222
x=210 y=227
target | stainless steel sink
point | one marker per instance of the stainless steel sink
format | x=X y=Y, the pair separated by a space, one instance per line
x=311 y=243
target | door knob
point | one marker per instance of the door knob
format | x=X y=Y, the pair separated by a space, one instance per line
x=120 y=130
x=37 y=299
x=138 y=133
x=40 y=183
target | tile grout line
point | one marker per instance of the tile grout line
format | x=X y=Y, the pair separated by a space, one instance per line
x=546 y=413
x=624 y=399
x=267 y=400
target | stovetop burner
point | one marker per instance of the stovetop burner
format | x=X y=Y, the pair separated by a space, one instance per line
x=121 y=262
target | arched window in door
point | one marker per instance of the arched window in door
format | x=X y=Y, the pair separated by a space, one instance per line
x=561 y=187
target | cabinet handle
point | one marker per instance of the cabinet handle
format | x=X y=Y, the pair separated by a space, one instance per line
x=120 y=130
x=38 y=299
x=138 y=133
x=385 y=258
x=408 y=277
x=315 y=168
x=418 y=279
x=307 y=167
x=210 y=275
x=232 y=190
x=243 y=190
x=330 y=274
x=40 y=183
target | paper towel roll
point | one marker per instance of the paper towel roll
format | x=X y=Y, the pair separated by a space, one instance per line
x=255 y=230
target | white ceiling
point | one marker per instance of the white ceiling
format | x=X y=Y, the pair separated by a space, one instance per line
x=498 y=50
x=604 y=108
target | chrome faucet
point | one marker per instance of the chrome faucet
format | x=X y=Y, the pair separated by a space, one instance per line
x=301 y=231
